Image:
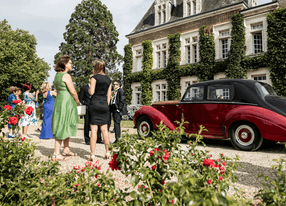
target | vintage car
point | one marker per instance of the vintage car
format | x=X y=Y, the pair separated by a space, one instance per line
x=247 y=112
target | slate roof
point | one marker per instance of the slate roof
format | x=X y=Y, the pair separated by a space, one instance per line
x=148 y=20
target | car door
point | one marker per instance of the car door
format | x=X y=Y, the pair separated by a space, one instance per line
x=191 y=108
x=219 y=102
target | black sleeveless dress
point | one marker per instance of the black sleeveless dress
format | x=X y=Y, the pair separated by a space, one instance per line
x=98 y=109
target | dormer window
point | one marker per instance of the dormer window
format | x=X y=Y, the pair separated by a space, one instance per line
x=194 y=7
x=191 y=7
x=162 y=12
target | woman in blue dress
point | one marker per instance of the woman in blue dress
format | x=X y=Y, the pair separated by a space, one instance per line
x=46 y=132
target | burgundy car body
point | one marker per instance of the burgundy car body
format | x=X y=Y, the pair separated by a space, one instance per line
x=250 y=110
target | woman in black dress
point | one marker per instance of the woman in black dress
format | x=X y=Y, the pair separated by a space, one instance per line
x=100 y=90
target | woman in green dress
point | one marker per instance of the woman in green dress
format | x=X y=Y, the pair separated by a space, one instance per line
x=65 y=116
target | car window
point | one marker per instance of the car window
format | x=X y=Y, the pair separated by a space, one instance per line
x=194 y=93
x=265 y=89
x=220 y=92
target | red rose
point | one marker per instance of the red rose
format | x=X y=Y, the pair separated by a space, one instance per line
x=98 y=167
x=218 y=160
x=221 y=168
x=162 y=182
x=113 y=164
x=98 y=185
x=211 y=155
x=152 y=153
x=224 y=163
x=96 y=176
x=222 y=172
x=16 y=101
x=13 y=120
x=209 y=182
x=220 y=178
x=221 y=154
x=7 y=107
x=208 y=162
x=29 y=110
x=76 y=185
x=76 y=167
x=166 y=156
x=23 y=138
x=153 y=167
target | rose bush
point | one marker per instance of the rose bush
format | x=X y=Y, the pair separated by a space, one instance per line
x=11 y=116
x=161 y=172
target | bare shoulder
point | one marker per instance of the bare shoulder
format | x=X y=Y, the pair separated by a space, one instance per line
x=66 y=77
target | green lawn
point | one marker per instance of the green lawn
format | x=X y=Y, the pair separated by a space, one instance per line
x=124 y=123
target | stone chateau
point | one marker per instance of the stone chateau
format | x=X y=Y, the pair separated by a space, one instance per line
x=187 y=16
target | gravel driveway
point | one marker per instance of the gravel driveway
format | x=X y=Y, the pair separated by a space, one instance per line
x=254 y=163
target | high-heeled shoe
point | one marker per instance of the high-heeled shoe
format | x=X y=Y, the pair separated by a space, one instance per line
x=92 y=157
x=107 y=155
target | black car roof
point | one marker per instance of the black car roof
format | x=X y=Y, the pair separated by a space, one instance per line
x=225 y=81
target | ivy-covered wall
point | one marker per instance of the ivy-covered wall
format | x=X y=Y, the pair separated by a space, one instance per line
x=127 y=71
x=235 y=66
x=236 y=54
x=173 y=67
x=146 y=80
x=276 y=44
x=207 y=54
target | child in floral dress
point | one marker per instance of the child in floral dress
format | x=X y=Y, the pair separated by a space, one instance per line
x=30 y=100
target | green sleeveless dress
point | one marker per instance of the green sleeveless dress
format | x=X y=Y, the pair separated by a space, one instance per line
x=65 y=116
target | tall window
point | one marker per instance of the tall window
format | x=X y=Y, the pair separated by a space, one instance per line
x=137 y=95
x=257 y=38
x=159 y=14
x=224 y=43
x=257 y=43
x=188 y=49
x=161 y=92
x=138 y=60
x=161 y=56
x=165 y=59
x=159 y=60
x=224 y=48
x=191 y=50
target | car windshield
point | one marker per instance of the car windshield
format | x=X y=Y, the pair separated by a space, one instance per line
x=265 y=89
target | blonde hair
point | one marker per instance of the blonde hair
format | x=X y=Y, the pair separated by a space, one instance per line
x=12 y=89
x=46 y=86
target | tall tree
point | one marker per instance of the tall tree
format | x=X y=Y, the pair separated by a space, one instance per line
x=19 y=63
x=90 y=35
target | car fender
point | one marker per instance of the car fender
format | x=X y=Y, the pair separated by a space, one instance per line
x=155 y=116
x=272 y=126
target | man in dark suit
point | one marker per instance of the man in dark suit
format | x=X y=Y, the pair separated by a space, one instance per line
x=118 y=107
x=84 y=98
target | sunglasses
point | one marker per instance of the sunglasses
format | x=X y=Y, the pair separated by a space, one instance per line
x=115 y=84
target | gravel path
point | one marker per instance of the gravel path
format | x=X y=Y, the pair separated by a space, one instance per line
x=254 y=163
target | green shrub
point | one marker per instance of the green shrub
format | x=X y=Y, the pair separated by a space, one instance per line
x=274 y=192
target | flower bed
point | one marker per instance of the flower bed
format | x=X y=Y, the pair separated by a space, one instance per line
x=152 y=164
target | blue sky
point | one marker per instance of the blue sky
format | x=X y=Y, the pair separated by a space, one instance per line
x=46 y=19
